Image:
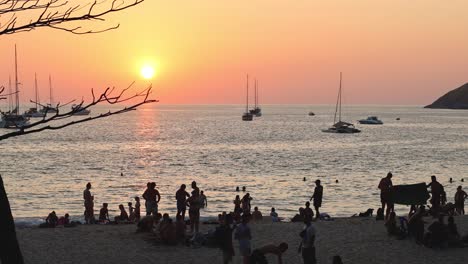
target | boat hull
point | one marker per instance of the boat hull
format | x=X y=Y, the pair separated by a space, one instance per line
x=366 y=122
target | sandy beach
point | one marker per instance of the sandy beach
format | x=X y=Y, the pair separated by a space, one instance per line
x=357 y=240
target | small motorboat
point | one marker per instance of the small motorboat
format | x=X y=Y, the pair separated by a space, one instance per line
x=371 y=120
x=311 y=113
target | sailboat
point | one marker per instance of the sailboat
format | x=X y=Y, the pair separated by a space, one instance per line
x=12 y=118
x=247 y=116
x=340 y=126
x=49 y=108
x=257 y=111
x=33 y=111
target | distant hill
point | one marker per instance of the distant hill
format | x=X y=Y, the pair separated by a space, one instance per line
x=455 y=99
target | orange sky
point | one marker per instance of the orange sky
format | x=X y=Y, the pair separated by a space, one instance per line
x=390 y=52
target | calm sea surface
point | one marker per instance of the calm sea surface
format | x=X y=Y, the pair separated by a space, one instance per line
x=172 y=145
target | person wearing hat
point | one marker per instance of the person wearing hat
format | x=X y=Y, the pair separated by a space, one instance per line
x=317 y=196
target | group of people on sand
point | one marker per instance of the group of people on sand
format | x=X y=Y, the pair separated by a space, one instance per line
x=53 y=220
x=438 y=233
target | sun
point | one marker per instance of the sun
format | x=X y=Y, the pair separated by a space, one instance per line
x=147 y=72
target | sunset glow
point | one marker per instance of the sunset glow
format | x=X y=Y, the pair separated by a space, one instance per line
x=399 y=52
x=147 y=72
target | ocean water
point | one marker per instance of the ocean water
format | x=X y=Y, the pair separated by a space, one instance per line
x=176 y=144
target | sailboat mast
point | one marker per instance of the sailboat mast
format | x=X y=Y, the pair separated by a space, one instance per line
x=340 y=97
x=255 y=93
x=247 y=97
x=337 y=102
x=10 y=99
x=50 y=90
x=16 y=84
x=35 y=88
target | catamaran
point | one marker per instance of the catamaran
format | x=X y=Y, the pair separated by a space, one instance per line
x=247 y=116
x=13 y=118
x=33 y=111
x=257 y=111
x=340 y=126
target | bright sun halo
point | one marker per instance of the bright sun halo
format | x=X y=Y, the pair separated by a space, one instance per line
x=147 y=72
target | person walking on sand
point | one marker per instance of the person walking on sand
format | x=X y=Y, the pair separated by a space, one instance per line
x=243 y=235
x=460 y=197
x=307 y=246
x=317 y=196
x=88 y=204
x=152 y=198
x=181 y=197
x=385 y=186
x=437 y=191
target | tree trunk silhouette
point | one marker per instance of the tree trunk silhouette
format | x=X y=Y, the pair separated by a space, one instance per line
x=10 y=252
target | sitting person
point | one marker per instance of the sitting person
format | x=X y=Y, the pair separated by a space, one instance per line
x=392 y=228
x=258 y=255
x=180 y=228
x=437 y=235
x=257 y=215
x=416 y=225
x=380 y=215
x=299 y=217
x=131 y=212
x=51 y=220
x=454 y=238
x=274 y=215
x=104 y=214
x=64 y=220
x=123 y=217
x=167 y=231
x=308 y=213
x=147 y=223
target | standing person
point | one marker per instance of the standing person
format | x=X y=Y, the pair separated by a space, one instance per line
x=437 y=191
x=146 y=197
x=308 y=242
x=460 y=197
x=88 y=204
x=181 y=197
x=224 y=232
x=237 y=205
x=137 y=209
x=193 y=202
x=203 y=200
x=152 y=197
x=246 y=203
x=317 y=196
x=195 y=188
x=244 y=236
x=385 y=186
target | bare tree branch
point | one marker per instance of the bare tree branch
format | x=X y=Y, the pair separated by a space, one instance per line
x=15 y=15
x=47 y=122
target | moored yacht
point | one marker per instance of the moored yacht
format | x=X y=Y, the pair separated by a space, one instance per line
x=340 y=126
x=371 y=120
